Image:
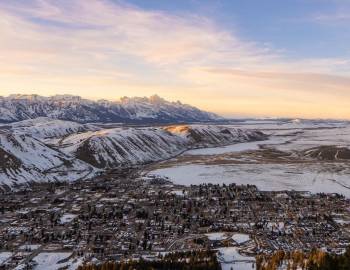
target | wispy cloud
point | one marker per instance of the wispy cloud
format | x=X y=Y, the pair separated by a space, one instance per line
x=102 y=28
x=337 y=17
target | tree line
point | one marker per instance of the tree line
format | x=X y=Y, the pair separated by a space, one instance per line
x=314 y=260
x=192 y=260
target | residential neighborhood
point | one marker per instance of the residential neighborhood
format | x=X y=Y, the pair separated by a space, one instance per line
x=123 y=216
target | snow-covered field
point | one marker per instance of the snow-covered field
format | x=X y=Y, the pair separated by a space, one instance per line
x=4 y=256
x=67 y=217
x=55 y=261
x=217 y=236
x=232 y=164
x=240 y=238
x=230 y=258
x=313 y=178
x=239 y=147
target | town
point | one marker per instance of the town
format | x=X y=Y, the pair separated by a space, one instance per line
x=123 y=215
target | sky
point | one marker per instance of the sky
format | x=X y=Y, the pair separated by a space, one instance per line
x=246 y=58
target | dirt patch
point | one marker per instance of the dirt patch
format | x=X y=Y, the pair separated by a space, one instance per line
x=8 y=161
x=329 y=153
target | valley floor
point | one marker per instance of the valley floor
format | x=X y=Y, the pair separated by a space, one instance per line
x=283 y=162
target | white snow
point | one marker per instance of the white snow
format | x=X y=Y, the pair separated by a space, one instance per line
x=178 y=192
x=217 y=236
x=238 y=147
x=67 y=218
x=342 y=221
x=316 y=176
x=230 y=257
x=44 y=127
x=4 y=256
x=240 y=238
x=29 y=247
x=35 y=161
x=55 y=261
x=20 y=107
x=130 y=146
x=270 y=177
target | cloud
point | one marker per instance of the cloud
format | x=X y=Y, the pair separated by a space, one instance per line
x=102 y=30
x=305 y=83
x=339 y=16
x=336 y=14
x=268 y=93
x=105 y=28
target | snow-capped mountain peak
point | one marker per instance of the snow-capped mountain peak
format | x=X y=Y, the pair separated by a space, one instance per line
x=74 y=108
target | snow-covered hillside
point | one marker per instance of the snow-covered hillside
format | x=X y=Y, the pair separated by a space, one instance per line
x=24 y=159
x=45 y=149
x=127 y=110
x=213 y=135
x=122 y=147
x=44 y=127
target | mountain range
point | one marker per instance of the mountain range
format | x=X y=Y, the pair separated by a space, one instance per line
x=74 y=108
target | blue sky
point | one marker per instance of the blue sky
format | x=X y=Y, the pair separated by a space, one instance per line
x=300 y=28
x=236 y=58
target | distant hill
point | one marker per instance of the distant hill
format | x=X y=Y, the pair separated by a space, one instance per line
x=127 y=110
